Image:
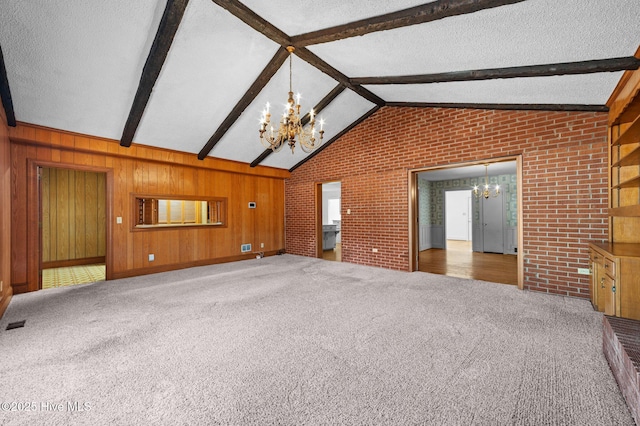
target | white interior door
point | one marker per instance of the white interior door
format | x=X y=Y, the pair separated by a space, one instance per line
x=458 y=215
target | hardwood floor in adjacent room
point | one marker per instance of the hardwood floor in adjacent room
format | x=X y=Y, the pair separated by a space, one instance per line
x=335 y=254
x=460 y=261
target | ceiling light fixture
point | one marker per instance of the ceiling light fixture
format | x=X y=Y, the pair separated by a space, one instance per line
x=486 y=191
x=291 y=125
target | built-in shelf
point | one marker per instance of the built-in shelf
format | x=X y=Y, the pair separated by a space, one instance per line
x=631 y=135
x=627 y=211
x=631 y=109
x=631 y=183
x=631 y=159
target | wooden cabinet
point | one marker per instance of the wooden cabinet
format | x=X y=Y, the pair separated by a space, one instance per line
x=329 y=237
x=615 y=279
x=615 y=265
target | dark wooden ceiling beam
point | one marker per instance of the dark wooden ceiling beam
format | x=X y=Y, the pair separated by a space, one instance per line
x=517 y=107
x=274 y=64
x=173 y=12
x=308 y=56
x=336 y=137
x=254 y=20
x=566 y=68
x=305 y=119
x=416 y=15
x=5 y=93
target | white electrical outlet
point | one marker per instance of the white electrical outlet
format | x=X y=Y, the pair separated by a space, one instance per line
x=374 y=250
x=261 y=245
x=119 y=219
x=151 y=258
x=584 y=271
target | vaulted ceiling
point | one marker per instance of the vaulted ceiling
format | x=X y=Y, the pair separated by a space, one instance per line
x=195 y=75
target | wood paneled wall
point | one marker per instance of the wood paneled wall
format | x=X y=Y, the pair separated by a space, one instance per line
x=73 y=214
x=5 y=214
x=146 y=170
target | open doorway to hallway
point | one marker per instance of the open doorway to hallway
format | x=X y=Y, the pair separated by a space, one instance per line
x=458 y=213
x=73 y=231
x=330 y=204
x=460 y=234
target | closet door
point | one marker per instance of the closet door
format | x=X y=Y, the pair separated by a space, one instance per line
x=492 y=224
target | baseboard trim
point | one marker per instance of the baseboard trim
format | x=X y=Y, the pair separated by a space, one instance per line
x=19 y=288
x=73 y=262
x=4 y=302
x=176 y=266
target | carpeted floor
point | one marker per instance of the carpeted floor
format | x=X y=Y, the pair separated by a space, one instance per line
x=300 y=341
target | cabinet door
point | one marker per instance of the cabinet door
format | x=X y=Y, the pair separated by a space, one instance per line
x=608 y=298
x=593 y=267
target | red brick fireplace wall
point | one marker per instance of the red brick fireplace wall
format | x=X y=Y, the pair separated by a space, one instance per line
x=564 y=184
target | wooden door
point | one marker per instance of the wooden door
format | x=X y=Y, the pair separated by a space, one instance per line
x=593 y=267
x=608 y=297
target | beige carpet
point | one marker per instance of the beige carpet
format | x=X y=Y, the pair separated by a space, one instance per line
x=291 y=340
x=72 y=275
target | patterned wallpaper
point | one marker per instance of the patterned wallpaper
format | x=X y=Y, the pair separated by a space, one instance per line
x=431 y=197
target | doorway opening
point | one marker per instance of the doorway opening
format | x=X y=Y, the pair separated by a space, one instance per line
x=457 y=233
x=457 y=208
x=72 y=232
x=330 y=221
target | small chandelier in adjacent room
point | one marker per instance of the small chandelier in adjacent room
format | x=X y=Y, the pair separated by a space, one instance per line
x=291 y=125
x=486 y=191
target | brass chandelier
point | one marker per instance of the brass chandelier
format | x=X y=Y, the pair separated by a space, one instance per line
x=291 y=125
x=486 y=190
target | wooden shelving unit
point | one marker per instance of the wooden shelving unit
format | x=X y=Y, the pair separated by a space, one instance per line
x=630 y=135
x=631 y=159
x=615 y=265
x=631 y=183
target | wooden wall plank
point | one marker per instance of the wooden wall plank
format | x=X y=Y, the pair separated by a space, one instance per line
x=71 y=214
x=61 y=226
x=81 y=226
x=91 y=209
x=52 y=220
x=101 y=219
x=18 y=213
x=45 y=181
x=6 y=290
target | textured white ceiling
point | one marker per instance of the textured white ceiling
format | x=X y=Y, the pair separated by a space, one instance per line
x=203 y=77
x=76 y=64
x=532 y=32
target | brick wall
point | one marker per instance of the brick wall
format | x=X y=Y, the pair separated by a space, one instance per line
x=621 y=347
x=564 y=184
